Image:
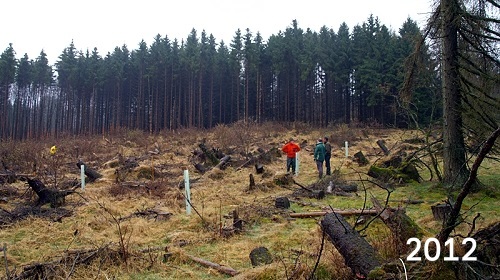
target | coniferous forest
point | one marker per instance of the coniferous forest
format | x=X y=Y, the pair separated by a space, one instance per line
x=298 y=75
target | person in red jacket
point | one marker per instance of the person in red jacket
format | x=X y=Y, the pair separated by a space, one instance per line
x=291 y=149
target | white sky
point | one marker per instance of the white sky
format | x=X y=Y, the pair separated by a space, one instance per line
x=33 y=25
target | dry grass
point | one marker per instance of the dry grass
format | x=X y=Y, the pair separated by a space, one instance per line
x=97 y=214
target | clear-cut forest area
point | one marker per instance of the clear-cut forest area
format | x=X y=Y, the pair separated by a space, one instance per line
x=166 y=161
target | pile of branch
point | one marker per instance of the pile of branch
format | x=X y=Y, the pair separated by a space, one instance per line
x=207 y=158
x=157 y=215
x=23 y=212
x=263 y=156
x=65 y=266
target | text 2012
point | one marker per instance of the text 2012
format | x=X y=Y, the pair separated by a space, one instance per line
x=435 y=255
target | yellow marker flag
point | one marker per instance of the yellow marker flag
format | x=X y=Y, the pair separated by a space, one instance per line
x=53 y=150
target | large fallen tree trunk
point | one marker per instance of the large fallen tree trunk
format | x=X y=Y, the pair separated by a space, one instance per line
x=358 y=254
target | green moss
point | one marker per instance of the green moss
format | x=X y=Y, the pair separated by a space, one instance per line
x=377 y=273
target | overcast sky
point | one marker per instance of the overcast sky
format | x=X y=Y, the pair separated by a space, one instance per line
x=51 y=25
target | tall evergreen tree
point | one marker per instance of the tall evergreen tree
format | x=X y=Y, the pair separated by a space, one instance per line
x=8 y=65
x=43 y=79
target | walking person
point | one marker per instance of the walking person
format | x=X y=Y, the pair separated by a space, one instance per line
x=291 y=149
x=328 y=155
x=319 y=156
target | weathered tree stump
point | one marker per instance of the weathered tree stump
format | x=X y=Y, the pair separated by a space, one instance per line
x=441 y=211
x=259 y=168
x=260 y=256
x=358 y=254
x=56 y=198
x=91 y=174
x=318 y=194
x=360 y=158
x=405 y=173
x=237 y=222
x=252 y=182
x=282 y=202
x=381 y=144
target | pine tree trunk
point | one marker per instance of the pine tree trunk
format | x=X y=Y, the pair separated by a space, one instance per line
x=455 y=171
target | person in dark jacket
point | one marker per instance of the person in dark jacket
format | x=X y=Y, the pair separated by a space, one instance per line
x=291 y=149
x=328 y=155
x=319 y=156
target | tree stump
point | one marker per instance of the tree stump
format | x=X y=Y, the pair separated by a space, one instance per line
x=56 y=198
x=282 y=202
x=259 y=168
x=317 y=194
x=91 y=174
x=358 y=254
x=381 y=144
x=260 y=256
x=237 y=222
x=360 y=158
x=252 y=182
x=441 y=211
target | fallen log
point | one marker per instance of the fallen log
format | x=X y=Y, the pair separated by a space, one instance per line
x=339 y=212
x=408 y=201
x=223 y=162
x=346 y=188
x=358 y=254
x=223 y=269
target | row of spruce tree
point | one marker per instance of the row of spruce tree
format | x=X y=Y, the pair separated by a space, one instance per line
x=297 y=75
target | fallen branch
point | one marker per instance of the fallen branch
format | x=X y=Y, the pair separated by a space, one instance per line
x=223 y=269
